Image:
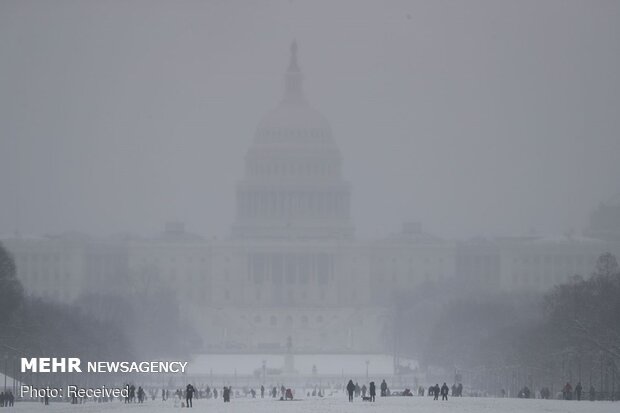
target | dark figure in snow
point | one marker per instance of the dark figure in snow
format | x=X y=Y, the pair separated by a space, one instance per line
x=288 y=394
x=592 y=393
x=226 y=395
x=350 y=389
x=384 y=388
x=364 y=389
x=262 y=391
x=436 y=391
x=524 y=393
x=140 y=394
x=7 y=399
x=567 y=391
x=189 y=395
x=459 y=390
x=163 y=395
x=444 y=391
x=357 y=390
x=372 y=391
x=578 y=390
x=454 y=390
x=46 y=399
x=421 y=391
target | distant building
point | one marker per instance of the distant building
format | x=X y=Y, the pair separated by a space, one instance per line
x=65 y=266
x=292 y=266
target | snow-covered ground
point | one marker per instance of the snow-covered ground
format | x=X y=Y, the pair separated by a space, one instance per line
x=339 y=405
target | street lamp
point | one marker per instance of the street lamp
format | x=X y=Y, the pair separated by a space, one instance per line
x=6 y=369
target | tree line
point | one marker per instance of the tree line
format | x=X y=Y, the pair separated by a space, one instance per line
x=96 y=327
x=508 y=340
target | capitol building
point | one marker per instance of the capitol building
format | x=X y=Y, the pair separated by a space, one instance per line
x=292 y=266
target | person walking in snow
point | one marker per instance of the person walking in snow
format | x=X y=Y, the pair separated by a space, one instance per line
x=189 y=395
x=567 y=391
x=350 y=390
x=383 y=388
x=578 y=390
x=444 y=391
x=372 y=391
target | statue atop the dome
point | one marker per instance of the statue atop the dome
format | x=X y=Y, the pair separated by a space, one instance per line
x=294 y=48
x=293 y=66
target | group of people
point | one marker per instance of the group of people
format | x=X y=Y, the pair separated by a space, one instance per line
x=568 y=393
x=367 y=393
x=371 y=389
x=7 y=399
x=436 y=391
x=190 y=392
x=353 y=389
x=133 y=395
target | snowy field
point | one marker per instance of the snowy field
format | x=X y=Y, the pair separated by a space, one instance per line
x=340 y=405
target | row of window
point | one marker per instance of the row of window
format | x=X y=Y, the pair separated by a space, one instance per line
x=43 y=257
x=189 y=259
x=293 y=204
x=277 y=296
x=566 y=260
x=297 y=169
x=411 y=260
x=274 y=320
x=290 y=278
x=43 y=275
x=290 y=132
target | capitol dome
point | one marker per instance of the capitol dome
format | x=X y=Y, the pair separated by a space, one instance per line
x=294 y=116
x=293 y=186
x=294 y=122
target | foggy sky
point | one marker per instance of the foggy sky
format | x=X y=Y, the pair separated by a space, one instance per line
x=474 y=118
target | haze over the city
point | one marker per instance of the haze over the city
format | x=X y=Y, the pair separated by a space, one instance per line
x=341 y=203
x=474 y=118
